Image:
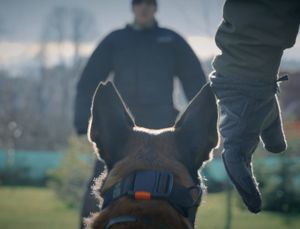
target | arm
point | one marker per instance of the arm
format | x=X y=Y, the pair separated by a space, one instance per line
x=252 y=38
x=189 y=69
x=96 y=70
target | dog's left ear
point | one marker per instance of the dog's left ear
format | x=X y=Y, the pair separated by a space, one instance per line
x=111 y=123
x=196 y=129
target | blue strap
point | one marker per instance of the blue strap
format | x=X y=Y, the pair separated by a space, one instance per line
x=121 y=219
x=133 y=219
x=160 y=185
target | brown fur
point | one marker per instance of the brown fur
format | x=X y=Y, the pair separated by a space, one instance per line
x=145 y=151
x=181 y=150
x=158 y=211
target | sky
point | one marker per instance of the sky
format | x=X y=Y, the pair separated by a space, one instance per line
x=24 y=19
x=22 y=25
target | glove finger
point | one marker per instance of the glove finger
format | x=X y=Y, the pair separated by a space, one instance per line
x=242 y=176
x=272 y=136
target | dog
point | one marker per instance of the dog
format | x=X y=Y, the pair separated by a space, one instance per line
x=151 y=178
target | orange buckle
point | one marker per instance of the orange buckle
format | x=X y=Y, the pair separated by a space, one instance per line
x=142 y=196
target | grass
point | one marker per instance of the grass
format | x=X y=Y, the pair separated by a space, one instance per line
x=34 y=208
x=211 y=215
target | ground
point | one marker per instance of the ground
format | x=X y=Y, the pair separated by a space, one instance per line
x=34 y=208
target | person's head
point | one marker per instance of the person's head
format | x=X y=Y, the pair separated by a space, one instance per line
x=144 y=11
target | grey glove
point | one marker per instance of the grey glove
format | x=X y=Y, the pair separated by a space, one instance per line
x=245 y=118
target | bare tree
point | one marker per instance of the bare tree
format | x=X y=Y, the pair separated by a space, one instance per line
x=82 y=24
x=42 y=109
x=4 y=30
x=54 y=31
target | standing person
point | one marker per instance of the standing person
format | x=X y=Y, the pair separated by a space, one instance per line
x=252 y=38
x=144 y=59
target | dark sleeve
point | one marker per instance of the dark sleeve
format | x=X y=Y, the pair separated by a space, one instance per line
x=253 y=36
x=189 y=69
x=96 y=70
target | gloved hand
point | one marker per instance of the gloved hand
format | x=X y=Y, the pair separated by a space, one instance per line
x=244 y=120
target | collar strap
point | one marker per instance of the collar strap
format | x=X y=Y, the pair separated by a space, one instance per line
x=121 y=219
x=132 y=219
x=149 y=185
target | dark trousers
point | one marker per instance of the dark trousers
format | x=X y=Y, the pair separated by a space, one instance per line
x=90 y=204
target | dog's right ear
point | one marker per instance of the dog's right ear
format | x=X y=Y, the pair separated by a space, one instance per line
x=196 y=129
x=111 y=123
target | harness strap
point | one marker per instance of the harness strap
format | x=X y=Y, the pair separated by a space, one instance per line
x=121 y=219
x=133 y=219
x=148 y=185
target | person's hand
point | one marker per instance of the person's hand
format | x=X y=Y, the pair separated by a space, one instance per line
x=245 y=120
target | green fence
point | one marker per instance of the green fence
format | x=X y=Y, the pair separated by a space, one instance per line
x=38 y=164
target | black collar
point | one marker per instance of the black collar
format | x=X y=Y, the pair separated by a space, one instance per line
x=146 y=185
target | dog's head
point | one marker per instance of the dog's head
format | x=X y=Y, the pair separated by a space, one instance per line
x=125 y=148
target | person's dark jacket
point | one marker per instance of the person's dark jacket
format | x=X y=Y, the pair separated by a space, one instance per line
x=144 y=64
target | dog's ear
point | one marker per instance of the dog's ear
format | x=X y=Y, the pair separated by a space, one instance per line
x=196 y=129
x=111 y=123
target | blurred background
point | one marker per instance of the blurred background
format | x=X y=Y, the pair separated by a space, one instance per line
x=44 y=166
